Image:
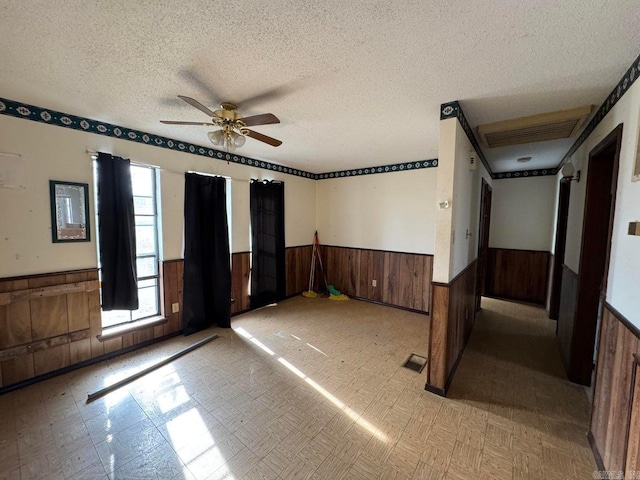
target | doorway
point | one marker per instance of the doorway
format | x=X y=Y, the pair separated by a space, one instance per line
x=483 y=240
x=597 y=228
x=559 y=249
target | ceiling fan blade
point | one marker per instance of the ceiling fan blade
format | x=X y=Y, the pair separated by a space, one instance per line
x=263 y=138
x=198 y=105
x=264 y=119
x=173 y=122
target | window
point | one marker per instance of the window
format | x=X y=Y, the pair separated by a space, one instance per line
x=143 y=180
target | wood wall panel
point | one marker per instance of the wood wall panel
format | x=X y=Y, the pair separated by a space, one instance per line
x=437 y=368
x=567 y=314
x=240 y=275
x=17 y=369
x=95 y=324
x=78 y=311
x=612 y=403
x=452 y=320
x=632 y=463
x=403 y=279
x=298 y=267
x=48 y=317
x=15 y=324
x=547 y=299
x=80 y=351
x=517 y=274
x=171 y=273
x=51 y=359
x=51 y=321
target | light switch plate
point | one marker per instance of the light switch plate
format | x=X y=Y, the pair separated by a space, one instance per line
x=634 y=228
x=175 y=307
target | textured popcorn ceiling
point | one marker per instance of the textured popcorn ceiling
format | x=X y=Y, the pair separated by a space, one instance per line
x=354 y=83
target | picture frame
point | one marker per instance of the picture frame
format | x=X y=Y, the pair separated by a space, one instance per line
x=69 y=211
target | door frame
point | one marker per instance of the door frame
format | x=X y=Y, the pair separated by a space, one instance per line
x=586 y=314
x=564 y=195
x=486 y=194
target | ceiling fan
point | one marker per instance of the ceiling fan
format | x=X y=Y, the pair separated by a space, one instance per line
x=233 y=126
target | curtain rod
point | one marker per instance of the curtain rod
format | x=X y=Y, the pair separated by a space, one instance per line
x=93 y=154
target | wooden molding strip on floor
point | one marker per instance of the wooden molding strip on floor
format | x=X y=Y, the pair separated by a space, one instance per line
x=100 y=393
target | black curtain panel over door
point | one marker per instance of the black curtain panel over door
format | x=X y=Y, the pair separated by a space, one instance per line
x=117 y=234
x=207 y=268
x=267 y=243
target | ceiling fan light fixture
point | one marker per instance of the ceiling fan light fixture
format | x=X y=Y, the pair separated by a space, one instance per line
x=216 y=137
x=237 y=139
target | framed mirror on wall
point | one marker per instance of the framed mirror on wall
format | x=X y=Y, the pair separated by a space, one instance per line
x=69 y=211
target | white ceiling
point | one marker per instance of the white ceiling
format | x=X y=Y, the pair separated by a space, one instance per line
x=355 y=84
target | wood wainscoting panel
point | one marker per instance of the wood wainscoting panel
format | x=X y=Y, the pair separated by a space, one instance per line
x=297 y=267
x=17 y=369
x=402 y=279
x=48 y=317
x=95 y=324
x=438 y=338
x=612 y=398
x=567 y=314
x=452 y=319
x=80 y=350
x=171 y=272
x=547 y=300
x=517 y=274
x=78 y=311
x=632 y=463
x=240 y=274
x=51 y=359
x=372 y=267
x=15 y=324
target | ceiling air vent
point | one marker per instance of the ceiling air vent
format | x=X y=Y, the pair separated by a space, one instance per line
x=535 y=128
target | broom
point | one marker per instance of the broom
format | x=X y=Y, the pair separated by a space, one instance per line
x=310 y=293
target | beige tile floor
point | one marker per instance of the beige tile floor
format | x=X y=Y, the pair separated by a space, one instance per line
x=311 y=389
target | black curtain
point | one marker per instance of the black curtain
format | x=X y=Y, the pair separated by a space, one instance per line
x=117 y=233
x=267 y=243
x=207 y=268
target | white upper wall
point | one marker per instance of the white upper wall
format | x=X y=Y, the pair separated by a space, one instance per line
x=55 y=153
x=623 y=283
x=456 y=239
x=390 y=211
x=523 y=213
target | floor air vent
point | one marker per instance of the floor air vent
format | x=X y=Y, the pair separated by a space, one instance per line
x=415 y=362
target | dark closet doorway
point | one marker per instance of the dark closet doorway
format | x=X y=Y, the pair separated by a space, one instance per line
x=559 y=249
x=483 y=240
x=597 y=228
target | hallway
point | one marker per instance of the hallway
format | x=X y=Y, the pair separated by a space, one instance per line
x=512 y=384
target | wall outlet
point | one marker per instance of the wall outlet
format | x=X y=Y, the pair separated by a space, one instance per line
x=374 y=283
x=175 y=307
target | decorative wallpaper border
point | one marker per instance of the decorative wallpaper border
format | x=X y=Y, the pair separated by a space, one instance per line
x=542 y=172
x=454 y=110
x=52 y=117
x=396 y=167
x=630 y=76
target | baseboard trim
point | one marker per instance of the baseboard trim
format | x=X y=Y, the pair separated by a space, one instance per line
x=85 y=363
x=384 y=304
x=438 y=391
